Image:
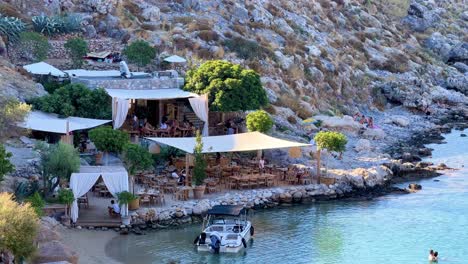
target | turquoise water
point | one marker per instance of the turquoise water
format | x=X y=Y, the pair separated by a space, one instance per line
x=391 y=229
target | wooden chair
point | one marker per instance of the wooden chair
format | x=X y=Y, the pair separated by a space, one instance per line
x=291 y=177
x=145 y=199
x=158 y=199
x=83 y=200
x=244 y=183
x=178 y=195
x=262 y=181
x=306 y=179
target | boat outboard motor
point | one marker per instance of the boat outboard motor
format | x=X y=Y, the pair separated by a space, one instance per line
x=215 y=242
x=201 y=239
x=124 y=71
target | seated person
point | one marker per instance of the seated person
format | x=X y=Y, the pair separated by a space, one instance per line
x=261 y=164
x=114 y=209
x=363 y=120
x=163 y=125
x=135 y=122
x=180 y=178
x=356 y=116
x=370 y=122
x=148 y=125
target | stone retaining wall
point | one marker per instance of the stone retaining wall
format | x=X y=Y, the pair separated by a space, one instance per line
x=131 y=84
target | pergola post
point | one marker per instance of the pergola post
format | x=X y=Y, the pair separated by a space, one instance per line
x=187 y=178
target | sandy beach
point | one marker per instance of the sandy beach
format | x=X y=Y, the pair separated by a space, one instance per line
x=89 y=244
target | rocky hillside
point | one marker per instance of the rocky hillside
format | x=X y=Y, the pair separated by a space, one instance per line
x=314 y=55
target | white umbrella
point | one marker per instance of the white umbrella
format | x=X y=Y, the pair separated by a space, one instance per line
x=175 y=59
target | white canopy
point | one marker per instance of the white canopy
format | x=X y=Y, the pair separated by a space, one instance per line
x=154 y=94
x=175 y=59
x=230 y=143
x=46 y=122
x=115 y=178
x=101 y=74
x=42 y=68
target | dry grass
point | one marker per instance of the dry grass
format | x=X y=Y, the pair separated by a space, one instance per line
x=294 y=104
x=183 y=43
x=292 y=120
x=200 y=24
x=270 y=109
x=208 y=35
x=183 y=20
x=240 y=29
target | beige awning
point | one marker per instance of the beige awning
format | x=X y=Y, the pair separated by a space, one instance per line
x=230 y=143
x=98 y=55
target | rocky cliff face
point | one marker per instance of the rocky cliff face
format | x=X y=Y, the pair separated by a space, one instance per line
x=314 y=55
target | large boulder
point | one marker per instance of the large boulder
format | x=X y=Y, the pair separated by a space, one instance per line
x=374 y=133
x=54 y=251
x=345 y=123
x=46 y=234
x=362 y=145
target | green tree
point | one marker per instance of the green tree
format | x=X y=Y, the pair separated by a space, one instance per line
x=11 y=112
x=259 y=121
x=77 y=49
x=229 y=86
x=199 y=167
x=19 y=225
x=331 y=141
x=59 y=161
x=108 y=140
x=34 y=46
x=5 y=164
x=136 y=158
x=76 y=100
x=139 y=52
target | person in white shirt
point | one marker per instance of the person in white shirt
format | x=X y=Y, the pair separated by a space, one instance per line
x=163 y=126
x=114 y=209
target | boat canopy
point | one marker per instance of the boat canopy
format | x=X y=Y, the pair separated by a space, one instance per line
x=229 y=210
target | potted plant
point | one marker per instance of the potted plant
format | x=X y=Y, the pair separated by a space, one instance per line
x=331 y=141
x=199 y=167
x=136 y=158
x=108 y=140
x=65 y=196
x=124 y=199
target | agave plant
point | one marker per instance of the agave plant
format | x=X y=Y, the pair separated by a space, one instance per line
x=71 y=23
x=11 y=27
x=45 y=25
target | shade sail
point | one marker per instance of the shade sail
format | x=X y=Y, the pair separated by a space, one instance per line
x=42 y=68
x=154 y=94
x=230 y=143
x=46 y=122
x=98 y=55
x=175 y=59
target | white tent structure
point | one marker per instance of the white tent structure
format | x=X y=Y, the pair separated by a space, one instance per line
x=230 y=143
x=175 y=59
x=42 y=68
x=121 y=100
x=80 y=73
x=40 y=121
x=115 y=178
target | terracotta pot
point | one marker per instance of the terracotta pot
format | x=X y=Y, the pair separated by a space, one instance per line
x=199 y=191
x=98 y=157
x=134 y=205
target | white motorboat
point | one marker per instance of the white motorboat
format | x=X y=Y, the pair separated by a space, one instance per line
x=225 y=230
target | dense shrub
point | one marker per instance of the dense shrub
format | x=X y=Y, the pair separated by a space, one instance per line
x=76 y=100
x=34 y=45
x=259 y=121
x=37 y=203
x=109 y=140
x=77 y=48
x=247 y=49
x=11 y=112
x=199 y=165
x=140 y=52
x=19 y=225
x=229 y=86
x=11 y=27
x=5 y=164
x=331 y=140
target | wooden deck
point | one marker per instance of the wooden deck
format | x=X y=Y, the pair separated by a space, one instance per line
x=96 y=214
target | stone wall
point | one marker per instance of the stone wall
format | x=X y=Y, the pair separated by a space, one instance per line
x=131 y=84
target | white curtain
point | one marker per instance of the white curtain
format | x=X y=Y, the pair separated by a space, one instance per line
x=81 y=183
x=119 y=111
x=116 y=182
x=200 y=107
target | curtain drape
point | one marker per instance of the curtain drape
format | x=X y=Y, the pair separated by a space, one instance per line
x=200 y=107
x=80 y=184
x=119 y=111
x=116 y=182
